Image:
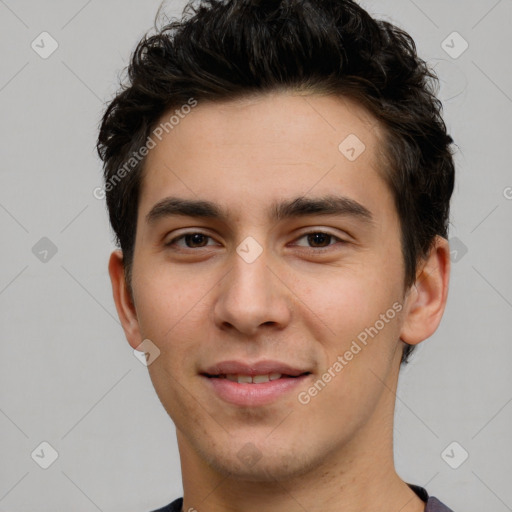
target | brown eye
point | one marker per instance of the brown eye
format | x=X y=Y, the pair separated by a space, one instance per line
x=321 y=239
x=195 y=239
x=192 y=240
x=318 y=240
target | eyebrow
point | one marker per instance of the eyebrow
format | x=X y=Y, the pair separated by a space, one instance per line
x=288 y=209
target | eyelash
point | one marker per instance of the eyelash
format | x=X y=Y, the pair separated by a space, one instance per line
x=314 y=249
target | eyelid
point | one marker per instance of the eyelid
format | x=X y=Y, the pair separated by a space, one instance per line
x=185 y=233
x=338 y=240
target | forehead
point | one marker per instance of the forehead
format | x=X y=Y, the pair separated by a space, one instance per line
x=253 y=151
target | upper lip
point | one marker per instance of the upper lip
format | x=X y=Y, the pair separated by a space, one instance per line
x=256 y=368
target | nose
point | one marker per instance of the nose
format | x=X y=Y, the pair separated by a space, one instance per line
x=252 y=296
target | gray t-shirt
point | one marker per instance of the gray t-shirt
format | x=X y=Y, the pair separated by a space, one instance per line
x=432 y=504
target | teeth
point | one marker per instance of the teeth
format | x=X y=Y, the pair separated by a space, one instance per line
x=247 y=379
x=260 y=378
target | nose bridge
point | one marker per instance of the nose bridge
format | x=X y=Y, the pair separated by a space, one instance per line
x=250 y=294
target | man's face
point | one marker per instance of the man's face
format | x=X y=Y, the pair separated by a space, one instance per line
x=292 y=293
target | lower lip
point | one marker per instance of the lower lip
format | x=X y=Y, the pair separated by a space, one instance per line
x=245 y=394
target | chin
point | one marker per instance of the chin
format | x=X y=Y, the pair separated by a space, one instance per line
x=249 y=464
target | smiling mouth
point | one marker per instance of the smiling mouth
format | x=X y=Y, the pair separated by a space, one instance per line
x=254 y=390
x=254 y=379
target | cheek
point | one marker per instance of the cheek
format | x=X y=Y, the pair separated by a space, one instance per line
x=165 y=303
x=353 y=315
x=172 y=390
x=348 y=300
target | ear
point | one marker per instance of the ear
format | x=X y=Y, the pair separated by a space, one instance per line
x=124 y=304
x=426 y=299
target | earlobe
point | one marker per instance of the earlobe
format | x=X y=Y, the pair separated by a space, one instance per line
x=124 y=304
x=426 y=300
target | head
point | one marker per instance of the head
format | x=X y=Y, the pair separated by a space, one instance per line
x=269 y=113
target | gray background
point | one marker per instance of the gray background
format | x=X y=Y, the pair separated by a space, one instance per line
x=68 y=377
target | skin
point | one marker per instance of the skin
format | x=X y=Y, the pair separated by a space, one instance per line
x=201 y=304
